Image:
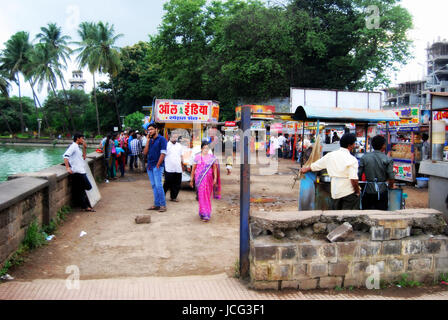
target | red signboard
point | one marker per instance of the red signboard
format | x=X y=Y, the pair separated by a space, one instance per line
x=230 y=124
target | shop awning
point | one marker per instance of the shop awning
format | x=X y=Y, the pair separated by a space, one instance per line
x=343 y=115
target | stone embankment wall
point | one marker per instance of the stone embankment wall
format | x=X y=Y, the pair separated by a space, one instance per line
x=36 y=195
x=291 y=250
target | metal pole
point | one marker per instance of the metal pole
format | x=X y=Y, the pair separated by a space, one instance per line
x=303 y=138
x=245 y=196
x=367 y=138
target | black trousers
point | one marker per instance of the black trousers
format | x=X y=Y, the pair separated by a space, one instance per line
x=172 y=182
x=371 y=202
x=350 y=202
x=80 y=184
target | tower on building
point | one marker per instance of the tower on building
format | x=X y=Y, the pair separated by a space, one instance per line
x=77 y=82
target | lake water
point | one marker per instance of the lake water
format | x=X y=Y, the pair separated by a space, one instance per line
x=16 y=159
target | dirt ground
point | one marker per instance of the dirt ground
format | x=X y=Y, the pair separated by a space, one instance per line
x=175 y=243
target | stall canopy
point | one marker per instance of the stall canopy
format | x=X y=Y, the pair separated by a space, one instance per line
x=343 y=115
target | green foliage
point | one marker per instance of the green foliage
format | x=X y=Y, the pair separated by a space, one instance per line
x=236 y=269
x=134 y=120
x=338 y=288
x=405 y=282
x=98 y=137
x=34 y=236
x=62 y=213
x=443 y=277
x=10 y=108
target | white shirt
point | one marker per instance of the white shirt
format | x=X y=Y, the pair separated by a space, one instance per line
x=173 y=158
x=341 y=167
x=74 y=156
x=281 y=140
x=144 y=139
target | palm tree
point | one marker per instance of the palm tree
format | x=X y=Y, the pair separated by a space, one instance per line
x=13 y=59
x=4 y=91
x=55 y=41
x=98 y=52
x=45 y=68
x=109 y=57
x=87 y=31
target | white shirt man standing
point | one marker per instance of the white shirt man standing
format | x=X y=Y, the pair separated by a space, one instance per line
x=342 y=167
x=173 y=167
x=74 y=160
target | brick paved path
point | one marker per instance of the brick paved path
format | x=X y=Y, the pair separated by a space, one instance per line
x=215 y=287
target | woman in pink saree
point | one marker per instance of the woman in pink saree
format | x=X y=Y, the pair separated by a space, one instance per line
x=205 y=175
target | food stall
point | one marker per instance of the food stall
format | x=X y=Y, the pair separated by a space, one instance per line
x=437 y=167
x=194 y=117
x=261 y=117
x=405 y=137
x=320 y=191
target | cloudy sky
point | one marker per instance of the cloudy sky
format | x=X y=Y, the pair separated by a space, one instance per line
x=136 y=19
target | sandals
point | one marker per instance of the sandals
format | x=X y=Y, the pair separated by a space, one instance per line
x=154 y=208
x=162 y=209
x=89 y=210
x=174 y=200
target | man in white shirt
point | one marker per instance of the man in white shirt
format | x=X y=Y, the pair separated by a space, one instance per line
x=342 y=167
x=75 y=165
x=173 y=167
x=281 y=140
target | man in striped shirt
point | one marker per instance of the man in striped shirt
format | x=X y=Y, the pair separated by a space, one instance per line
x=136 y=149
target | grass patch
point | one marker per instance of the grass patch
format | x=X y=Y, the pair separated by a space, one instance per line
x=406 y=283
x=35 y=237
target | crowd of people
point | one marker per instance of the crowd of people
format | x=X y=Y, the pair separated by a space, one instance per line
x=149 y=151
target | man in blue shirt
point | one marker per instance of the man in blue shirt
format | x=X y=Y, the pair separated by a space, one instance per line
x=156 y=150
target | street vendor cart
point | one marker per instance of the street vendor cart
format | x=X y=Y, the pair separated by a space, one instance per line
x=318 y=195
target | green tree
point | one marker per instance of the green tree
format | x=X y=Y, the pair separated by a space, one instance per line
x=57 y=43
x=9 y=107
x=134 y=120
x=13 y=59
x=46 y=68
x=4 y=91
x=98 y=52
x=87 y=32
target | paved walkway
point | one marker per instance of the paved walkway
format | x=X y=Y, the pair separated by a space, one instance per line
x=215 y=287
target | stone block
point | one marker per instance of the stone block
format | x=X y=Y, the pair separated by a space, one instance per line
x=394 y=223
x=395 y=265
x=265 y=252
x=307 y=252
x=292 y=234
x=299 y=271
x=278 y=234
x=360 y=267
x=328 y=252
x=441 y=264
x=400 y=233
x=280 y=272
x=330 y=282
x=431 y=246
x=342 y=233
x=379 y=233
x=308 y=284
x=288 y=251
x=346 y=249
x=290 y=284
x=353 y=282
x=265 y=285
x=420 y=264
x=261 y=272
x=320 y=228
x=337 y=269
x=412 y=247
x=143 y=219
x=368 y=249
x=391 y=248
x=317 y=270
x=380 y=265
x=4 y=235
